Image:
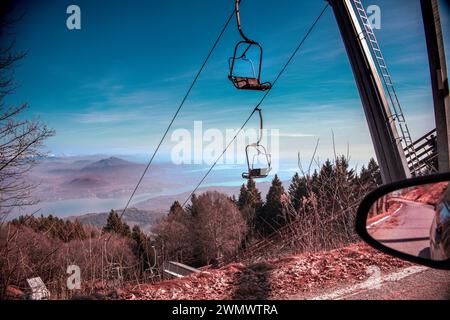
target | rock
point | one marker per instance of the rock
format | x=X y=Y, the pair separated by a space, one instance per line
x=14 y=293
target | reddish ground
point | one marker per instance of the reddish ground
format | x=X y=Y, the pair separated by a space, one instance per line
x=275 y=279
x=430 y=193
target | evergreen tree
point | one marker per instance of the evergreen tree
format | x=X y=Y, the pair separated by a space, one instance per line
x=176 y=209
x=249 y=195
x=345 y=183
x=326 y=185
x=375 y=172
x=114 y=224
x=249 y=204
x=143 y=248
x=297 y=191
x=370 y=177
x=314 y=178
x=243 y=196
x=54 y=227
x=326 y=173
x=254 y=196
x=192 y=208
x=272 y=213
x=178 y=214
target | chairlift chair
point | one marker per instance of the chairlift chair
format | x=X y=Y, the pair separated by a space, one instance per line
x=244 y=82
x=257 y=172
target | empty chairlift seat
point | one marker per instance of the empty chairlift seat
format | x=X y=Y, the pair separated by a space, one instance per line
x=240 y=55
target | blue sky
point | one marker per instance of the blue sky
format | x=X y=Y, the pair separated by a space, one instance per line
x=113 y=86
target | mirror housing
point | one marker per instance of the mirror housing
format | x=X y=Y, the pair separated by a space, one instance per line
x=363 y=219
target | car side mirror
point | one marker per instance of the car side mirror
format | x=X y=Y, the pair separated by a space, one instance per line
x=409 y=220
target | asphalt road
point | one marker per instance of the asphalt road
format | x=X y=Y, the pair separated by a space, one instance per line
x=412 y=283
x=429 y=284
x=407 y=230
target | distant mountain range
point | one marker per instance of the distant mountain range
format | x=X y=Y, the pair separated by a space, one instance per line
x=145 y=219
x=78 y=178
x=73 y=186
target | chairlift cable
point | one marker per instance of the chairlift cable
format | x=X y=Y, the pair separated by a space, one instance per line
x=257 y=107
x=177 y=112
x=239 y=26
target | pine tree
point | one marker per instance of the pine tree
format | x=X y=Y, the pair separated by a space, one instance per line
x=243 y=197
x=114 y=224
x=192 y=208
x=314 y=178
x=297 y=191
x=55 y=227
x=254 y=196
x=143 y=248
x=375 y=172
x=176 y=209
x=370 y=177
x=272 y=213
x=346 y=193
x=249 y=195
x=326 y=173
x=249 y=204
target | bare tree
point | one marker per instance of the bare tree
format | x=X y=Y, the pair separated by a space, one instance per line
x=21 y=140
x=221 y=227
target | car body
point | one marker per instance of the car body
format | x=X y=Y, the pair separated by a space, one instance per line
x=440 y=229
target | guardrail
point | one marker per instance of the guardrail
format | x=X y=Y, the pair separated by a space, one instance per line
x=425 y=158
x=174 y=269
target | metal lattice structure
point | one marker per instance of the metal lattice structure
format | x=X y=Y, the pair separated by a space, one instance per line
x=426 y=153
x=397 y=116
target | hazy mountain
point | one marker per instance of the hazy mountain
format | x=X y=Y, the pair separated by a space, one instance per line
x=90 y=177
x=108 y=164
x=75 y=185
x=143 y=218
x=85 y=182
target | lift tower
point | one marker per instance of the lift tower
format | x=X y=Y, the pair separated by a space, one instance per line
x=382 y=121
x=439 y=80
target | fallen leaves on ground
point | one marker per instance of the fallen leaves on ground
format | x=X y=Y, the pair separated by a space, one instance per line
x=272 y=279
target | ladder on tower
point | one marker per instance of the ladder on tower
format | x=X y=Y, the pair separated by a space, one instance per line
x=397 y=116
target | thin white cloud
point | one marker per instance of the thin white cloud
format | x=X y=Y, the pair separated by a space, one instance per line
x=105 y=117
x=291 y=135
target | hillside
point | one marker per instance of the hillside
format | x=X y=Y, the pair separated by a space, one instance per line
x=143 y=218
x=164 y=202
x=273 y=279
x=84 y=182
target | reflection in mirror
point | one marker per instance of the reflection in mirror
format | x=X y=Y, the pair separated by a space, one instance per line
x=414 y=220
